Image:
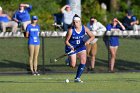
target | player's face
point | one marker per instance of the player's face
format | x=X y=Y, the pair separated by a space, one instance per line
x=77 y=23
x=114 y=21
x=0 y=12
x=92 y=20
x=68 y=9
x=34 y=21
x=21 y=7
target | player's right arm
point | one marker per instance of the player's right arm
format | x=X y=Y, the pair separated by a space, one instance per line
x=27 y=32
x=68 y=36
x=63 y=8
x=15 y=17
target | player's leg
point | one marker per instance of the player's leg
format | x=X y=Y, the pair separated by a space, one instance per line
x=67 y=61
x=14 y=26
x=36 y=52
x=73 y=60
x=25 y=24
x=3 y=26
x=31 y=54
x=82 y=56
x=113 y=51
x=93 y=55
x=65 y=27
x=88 y=63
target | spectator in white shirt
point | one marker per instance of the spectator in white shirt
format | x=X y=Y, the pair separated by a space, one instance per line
x=93 y=25
x=67 y=17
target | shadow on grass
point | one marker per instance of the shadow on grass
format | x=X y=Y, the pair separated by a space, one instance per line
x=8 y=64
x=120 y=65
x=100 y=66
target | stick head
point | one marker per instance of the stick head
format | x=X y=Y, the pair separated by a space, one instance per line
x=55 y=60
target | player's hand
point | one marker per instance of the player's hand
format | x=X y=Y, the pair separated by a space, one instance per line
x=67 y=6
x=87 y=42
x=95 y=20
x=72 y=48
x=24 y=5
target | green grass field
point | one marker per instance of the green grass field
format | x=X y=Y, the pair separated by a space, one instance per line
x=55 y=83
x=14 y=58
x=14 y=55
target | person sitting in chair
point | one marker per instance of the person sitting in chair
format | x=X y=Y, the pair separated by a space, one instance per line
x=5 y=21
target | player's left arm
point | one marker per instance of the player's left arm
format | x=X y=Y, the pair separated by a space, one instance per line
x=121 y=25
x=89 y=33
x=28 y=7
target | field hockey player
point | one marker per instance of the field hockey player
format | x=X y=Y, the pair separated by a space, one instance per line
x=74 y=40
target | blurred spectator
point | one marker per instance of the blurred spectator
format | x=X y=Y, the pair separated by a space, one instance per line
x=130 y=22
x=67 y=16
x=112 y=42
x=22 y=16
x=93 y=25
x=5 y=21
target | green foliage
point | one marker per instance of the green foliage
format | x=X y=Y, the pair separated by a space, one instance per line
x=134 y=7
x=44 y=9
x=92 y=8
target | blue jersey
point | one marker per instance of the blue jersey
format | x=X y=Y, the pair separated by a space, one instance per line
x=76 y=40
x=4 y=19
x=33 y=34
x=23 y=16
x=134 y=18
x=113 y=40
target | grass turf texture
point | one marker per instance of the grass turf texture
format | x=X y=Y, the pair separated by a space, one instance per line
x=55 y=83
x=14 y=55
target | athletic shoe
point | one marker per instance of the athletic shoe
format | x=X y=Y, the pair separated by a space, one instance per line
x=37 y=73
x=92 y=70
x=88 y=69
x=78 y=80
x=33 y=73
x=111 y=71
x=67 y=61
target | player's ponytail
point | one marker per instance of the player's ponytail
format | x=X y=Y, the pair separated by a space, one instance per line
x=76 y=17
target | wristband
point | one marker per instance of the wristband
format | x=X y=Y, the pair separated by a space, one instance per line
x=71 y=46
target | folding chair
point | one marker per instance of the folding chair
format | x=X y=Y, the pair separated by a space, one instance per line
x=58 y=21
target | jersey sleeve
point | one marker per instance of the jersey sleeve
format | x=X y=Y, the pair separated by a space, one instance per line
x=101 y=27
x=29 y=8
x=134 y=18
x=28 y=28
x=15 y=15
x=108 y=27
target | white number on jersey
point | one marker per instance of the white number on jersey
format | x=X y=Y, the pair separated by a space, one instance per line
x=77 y=41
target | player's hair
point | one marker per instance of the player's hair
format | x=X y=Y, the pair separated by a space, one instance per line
x=92 y=17
x=76 y=17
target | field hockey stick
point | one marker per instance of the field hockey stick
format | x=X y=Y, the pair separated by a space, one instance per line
x=63 y=55
x=58 y=58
